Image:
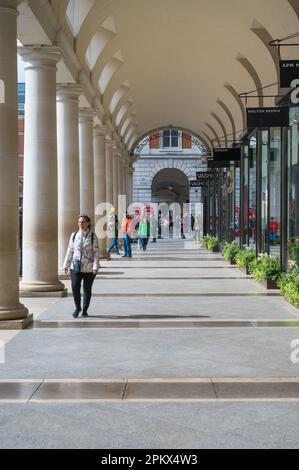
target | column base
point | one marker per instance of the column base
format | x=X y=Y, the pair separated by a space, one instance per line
x=105 y=256
x=14 y=313
x=32 y=295
x=16 y=324
x=40 y=289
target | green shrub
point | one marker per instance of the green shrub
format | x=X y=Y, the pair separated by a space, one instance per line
x=244 y=258
x=293 y=250
x=210 y=242
x=264 y=267
x=289 y=286
x=206 y=239
x=230 y=251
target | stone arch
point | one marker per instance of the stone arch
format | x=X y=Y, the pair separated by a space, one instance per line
x=202 y=143
x=171 y=164
x=170 y=185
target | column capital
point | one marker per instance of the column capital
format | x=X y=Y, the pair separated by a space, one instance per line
x=100 y=130
x=41 y=57
x=68 y=92
x=87 y=114
x=9 y=9
x=109 y=144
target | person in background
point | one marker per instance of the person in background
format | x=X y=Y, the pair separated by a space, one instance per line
x=82 y=261
x=144 y=232
x=192 y=222
x=154 y=225
x=197 y=227
x=112 y=231
x=126 y=229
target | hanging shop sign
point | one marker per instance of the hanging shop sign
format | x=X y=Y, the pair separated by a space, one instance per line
x=197 y=184
x=267 y=117
x=218 y=164
x=289 y=71
x=204 y=175
x=227 y=154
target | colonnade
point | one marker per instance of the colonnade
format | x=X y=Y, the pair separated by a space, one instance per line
x=71 y=165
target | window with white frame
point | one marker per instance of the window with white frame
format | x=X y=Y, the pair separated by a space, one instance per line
x=170 y=139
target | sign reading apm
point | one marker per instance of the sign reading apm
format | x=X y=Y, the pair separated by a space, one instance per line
x=289 y=71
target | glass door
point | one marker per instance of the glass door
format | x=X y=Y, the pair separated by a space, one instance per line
x=293 y=195
x=252 y=193
x=275 y=191
x=237 y=202
x=264 y=157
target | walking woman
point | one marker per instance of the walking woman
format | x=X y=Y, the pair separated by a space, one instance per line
x=112 y=231
x=145 y=231
x=82 y=260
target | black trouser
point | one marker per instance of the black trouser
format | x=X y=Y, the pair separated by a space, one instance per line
x=88 y=279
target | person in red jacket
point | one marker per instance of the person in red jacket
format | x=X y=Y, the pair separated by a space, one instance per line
x=126 y=229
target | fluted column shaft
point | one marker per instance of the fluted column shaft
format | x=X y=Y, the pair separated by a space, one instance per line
x=10 y=307
x=40 y=267
x=68 y=164
x=100 y=133
x=115 y=179
x=86 y=152
x=109 y=172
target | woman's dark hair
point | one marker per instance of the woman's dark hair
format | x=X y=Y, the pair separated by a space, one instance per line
x=88 y=220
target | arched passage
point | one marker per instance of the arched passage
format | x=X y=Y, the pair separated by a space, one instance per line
x=170 y=185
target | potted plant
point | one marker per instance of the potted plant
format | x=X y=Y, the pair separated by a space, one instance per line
x=293 y=251
x=244 y=258
x=266 y=270
x=212 y=243
x=230 y=251
x=288 y=284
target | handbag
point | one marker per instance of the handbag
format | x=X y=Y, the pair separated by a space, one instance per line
x=76 y=266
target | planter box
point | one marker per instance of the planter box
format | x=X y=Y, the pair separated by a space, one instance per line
x=245 y=271
x=216 y=249
x=232 y=262
x=269 y=284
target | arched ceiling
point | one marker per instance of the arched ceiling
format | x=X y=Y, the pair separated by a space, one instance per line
x=167 y=62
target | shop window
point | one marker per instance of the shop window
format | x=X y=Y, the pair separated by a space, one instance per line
x=293 y=195
x=275 y=191
x=252 y=193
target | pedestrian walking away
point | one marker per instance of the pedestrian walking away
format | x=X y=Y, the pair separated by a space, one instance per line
x=144 y=232
x=112 y=231
x=82 y=262
x=127 y=228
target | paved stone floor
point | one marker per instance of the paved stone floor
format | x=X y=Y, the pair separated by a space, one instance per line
x=180 y=350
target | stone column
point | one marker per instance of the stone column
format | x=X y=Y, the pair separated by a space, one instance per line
x=86 y=152
x=126 y=181
x=100 y=133
x=130 y=184
x=109 y=172
x=116 y=181
x=40 y=267
x=68 y=164
x=121 y=176
x=10 y=307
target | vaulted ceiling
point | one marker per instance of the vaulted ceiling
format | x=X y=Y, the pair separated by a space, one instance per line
x=184 y=63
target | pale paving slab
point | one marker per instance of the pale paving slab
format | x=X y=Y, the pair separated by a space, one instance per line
x=150 y=426
x=223 y=352
x=214 y=308
x=187 y=273
x=184 y=286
